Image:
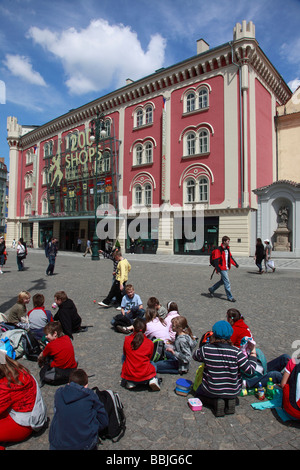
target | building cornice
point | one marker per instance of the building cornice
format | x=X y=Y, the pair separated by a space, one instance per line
x=205 y=64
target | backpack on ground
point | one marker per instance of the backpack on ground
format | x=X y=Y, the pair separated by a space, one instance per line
x=116 y=416
x=205 y=338
x=31 y=346
x=294 y=384
x=54 y=375
x=6 y=345
x=159 y=353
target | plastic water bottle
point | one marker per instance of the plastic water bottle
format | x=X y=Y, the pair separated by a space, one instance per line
x=260 y=392
x=270 y=389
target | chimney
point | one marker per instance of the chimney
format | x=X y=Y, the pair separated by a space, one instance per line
x=202 y=46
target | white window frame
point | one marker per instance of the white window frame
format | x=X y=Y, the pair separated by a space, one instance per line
x=196 y=99
x=143 y=194
x=194 y=188
x=144 y=115
x=201 y=142
x=143 y=153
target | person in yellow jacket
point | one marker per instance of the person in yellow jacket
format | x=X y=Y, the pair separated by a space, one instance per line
x=123 y=269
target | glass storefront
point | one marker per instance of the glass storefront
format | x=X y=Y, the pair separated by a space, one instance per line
x=185 y=246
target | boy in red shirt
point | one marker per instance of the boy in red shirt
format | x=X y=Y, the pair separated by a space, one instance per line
x=58 y=358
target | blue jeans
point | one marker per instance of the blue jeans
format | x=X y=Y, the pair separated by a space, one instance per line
x=168 y=366
x=274 y=369
x=224 y=280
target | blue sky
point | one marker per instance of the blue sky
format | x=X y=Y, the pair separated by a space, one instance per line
x=60 y=54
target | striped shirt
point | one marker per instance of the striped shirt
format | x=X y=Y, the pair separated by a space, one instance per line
x=223 y=365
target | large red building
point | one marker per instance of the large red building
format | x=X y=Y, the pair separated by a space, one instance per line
x=184 y=149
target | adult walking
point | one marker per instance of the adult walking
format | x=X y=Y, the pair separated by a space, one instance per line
x=2 y=253
x=21 y=254
x=222 y=263
x=51 y=252
x=259 y=254
x=88 y=248
x=268 y=262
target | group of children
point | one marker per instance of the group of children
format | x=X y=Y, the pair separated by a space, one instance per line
x=228 y=357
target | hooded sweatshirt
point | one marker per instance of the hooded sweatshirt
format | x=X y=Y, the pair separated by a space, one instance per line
x=183 y=350
x=240 y=329
x=69 y=318
x=78 y=417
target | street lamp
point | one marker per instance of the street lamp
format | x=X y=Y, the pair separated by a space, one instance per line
x=97 y=131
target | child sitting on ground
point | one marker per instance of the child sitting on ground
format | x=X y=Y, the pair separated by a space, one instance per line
x=78 y=417
x=178 y=356
x=17 y=316
x=58 y=357
x=137 y=354
x=131 y=308
x=153 y=302
x=38 y=316
x=172 y=313
x=67 y=314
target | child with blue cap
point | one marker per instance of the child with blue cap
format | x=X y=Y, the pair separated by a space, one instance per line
x=223 y=365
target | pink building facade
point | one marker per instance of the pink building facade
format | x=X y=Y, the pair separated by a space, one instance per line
x=185 y=148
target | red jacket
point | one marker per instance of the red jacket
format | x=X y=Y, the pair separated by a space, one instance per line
x=240 y=329
x=219 y=260
x=137 y=366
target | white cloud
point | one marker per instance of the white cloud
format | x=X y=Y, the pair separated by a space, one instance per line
x=20 y=66
x=102 y=55
x=294 y=84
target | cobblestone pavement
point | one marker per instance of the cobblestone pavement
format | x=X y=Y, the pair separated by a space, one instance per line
x=160 y=421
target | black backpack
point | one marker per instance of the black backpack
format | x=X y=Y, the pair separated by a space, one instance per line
x=31 y=346
x=116 y=416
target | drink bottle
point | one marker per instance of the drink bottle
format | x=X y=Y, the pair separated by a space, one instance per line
x=260 y=392
x=270 y=389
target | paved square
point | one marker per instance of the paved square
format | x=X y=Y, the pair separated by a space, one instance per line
x=162 y=420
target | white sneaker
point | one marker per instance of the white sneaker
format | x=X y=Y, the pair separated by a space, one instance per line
x=119 y=308
x=1 y=272
x=103 y=304
x=153 y=384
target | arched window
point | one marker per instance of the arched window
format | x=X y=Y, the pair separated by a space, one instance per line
x=190 y=190
x=138 y=194
x=203 y=141
x=191 y=141
x=139 y=154
x=148 y=152
x=139 y=118
x=148 y=194
x=203 y=189
x=203 y=98
x=190 y=102
x=149 y=115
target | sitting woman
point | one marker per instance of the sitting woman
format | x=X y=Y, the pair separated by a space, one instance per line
x=223 y=364
x=22 y=409
x=138 y=350
x=156 y=326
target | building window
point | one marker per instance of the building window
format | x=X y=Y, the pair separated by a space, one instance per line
x=28 y=180
x=148 y=195
x=203 y=98
x=27 y=207
x=190 y=190
x=44 y=206
x=29 y=157
x=138 y=195
x=203 y=189
x=196 y=100
x=190 y=102
x=196 y=143
x=143 y=115
x=196 y=190
x=143 y=153
x=203 y=141
x=48 y=149
x=105 y=162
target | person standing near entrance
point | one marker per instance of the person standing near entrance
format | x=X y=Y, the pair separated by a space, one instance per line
x=51 y=252
x=222 y=263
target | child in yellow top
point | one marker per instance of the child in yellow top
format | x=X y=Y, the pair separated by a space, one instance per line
x=123 y=269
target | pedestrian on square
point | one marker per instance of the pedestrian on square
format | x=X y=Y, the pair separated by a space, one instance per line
x=88 y=248
x=67 y=314
x=123 y=269
x=137 y=366
x=259 y=255
x=268 y=262
x=2 y=253
x=179 y=356
x=78 y=417
x=21 y=254
x=222 y=264
x=51 y=253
